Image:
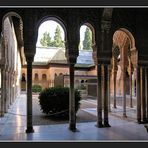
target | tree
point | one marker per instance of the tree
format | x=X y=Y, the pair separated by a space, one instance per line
x=57 y=38
x=46 y=40
x=87 y=42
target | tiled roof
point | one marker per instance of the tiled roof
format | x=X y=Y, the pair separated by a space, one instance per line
x=44 y=56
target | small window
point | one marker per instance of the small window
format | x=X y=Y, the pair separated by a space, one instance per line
x=23 y=77
x=44 y=77
x=36 y=77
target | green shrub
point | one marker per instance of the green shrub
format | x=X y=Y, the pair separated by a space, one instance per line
x=36 y=88
x=54 y=101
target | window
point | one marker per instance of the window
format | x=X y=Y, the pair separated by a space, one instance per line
x=23 y=77
x=36 y=77
x=44 y=77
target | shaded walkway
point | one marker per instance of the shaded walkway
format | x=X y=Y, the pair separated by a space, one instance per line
x=12 y=127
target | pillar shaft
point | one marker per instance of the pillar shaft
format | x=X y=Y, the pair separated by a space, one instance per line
x=29 y=96
x=143 y=99
x=72 y=112
x=3 y=89
x=114 y=81
x=6 y=92
x=130 y=84
x=99 y=96
x=109 y=102
x=138 y=95
x=146 y=90
x=124 y=92
x=105 y=87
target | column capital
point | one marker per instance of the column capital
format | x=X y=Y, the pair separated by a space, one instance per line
x=29 y=59
x=71 y=53
x=105 y=26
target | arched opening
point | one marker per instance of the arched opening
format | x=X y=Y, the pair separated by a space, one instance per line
x=23 y=77
x=44 y=77
x=85 y=59
x=123 y=71
x=13 y=56
x=36 y=77
x=50 y=49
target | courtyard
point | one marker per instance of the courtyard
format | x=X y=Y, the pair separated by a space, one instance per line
x=13 y=124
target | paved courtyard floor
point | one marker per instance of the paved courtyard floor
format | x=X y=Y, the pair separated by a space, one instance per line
x=13 y=125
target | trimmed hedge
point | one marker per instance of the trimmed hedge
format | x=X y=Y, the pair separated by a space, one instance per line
x=54 y=101
x=36 y=88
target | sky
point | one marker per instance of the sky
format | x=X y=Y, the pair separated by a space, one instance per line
x=50 y=27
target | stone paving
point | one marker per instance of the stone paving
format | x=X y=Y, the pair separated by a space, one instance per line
x=13 y=126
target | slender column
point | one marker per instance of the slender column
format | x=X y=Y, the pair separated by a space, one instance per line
x=130 y=83
x=29 y=96
x=2 y=90
x=72 y=112
x=6 y=92
x=114 y=80
x=106 y=121
x=124 y=92
x=9 y=88
x=146 y=90
x=135 y=82
x=13 y=92
x=143 y=100
x=3 y=82
x=109 y=103
x=115 y=68
x=99 y=97
x=138 y=95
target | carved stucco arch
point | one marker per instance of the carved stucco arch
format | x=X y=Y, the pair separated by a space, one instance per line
x=9 y=14
x=133 y=51
x=56 y=19
x=21 y=41
x=91 y=27
x=130 y=36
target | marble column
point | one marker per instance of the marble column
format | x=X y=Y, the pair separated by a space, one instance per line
x=115 y=68
x=114 y=81
x=9 y=87
x=3 y=89
x=124 y=91
x=6 y=92
x=99 y=96
x=146 y=89
x=130 y=83
x=3 y=82
x=138 y=92
x=143 y=97
x=105 y=87
x=29 y=95
x=72 y=112
x=109 y=102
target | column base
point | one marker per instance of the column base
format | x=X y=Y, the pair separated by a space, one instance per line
x=145 y=120
x=131 y=106
x=29 y=130
x=72 y=127
x=139 y=121
x=142 y=122
x=1 y=114
x=106 y=124
x=109 y=110
x=146 y=126
x=124 y=116
x=99 y=125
